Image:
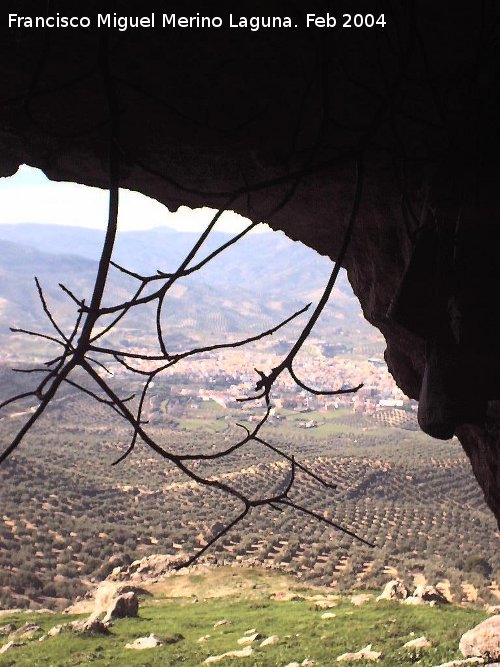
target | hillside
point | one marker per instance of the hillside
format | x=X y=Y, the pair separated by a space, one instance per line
x=247 y=602
x=74 y=516
x=243 y=291
x=68 y=516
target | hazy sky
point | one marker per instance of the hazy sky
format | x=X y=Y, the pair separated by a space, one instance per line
x=29 y=196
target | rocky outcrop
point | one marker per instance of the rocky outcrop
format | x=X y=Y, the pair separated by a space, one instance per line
x=483 y=640
x=394 y=590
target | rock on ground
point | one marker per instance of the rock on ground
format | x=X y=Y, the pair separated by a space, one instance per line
x=142 y=643
x=223 y=621
x=91 y=626
x=243 y=653
x=325 y=604
x=273 y=639
x=394 y=590
x=419 y=642
x=426 y=594
x=125 y=605
x=249 y=639
x=26 y=631
x=10 y=645
x=483 y=640
x=328 y=614
x=365 y=653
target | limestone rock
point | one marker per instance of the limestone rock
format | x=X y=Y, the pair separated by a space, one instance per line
x=483 y=640
x=26 y=631
x=10 y=645
x=203 y=639
x=328 y=614
x=142 y=643
x=426 y=594
x=223 y=621
x=91 y=626
x=273 y=639
x=249 y=639
x=419 y=642
x=123 y=606
x=325 y=604
x=394 y=590
x=243 y=653
x=365 y=653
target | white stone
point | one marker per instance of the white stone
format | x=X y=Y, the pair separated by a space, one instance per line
x=419 y=642
x=249 y=639
x=142 y=643
x=273 y=639
x=365 y=653
x=243 y=653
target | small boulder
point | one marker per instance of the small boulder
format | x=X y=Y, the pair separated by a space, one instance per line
x=426 y=595
x=200 y=640
x=325 y=604
x=365 y=653
x=142 y=643
x=10 y=645
x=273 y=639
x=243 y=653
x=249 y=639
x=418 y=643
x=125 y=605
x=92 y=626
x=56 y=630
x=483 y=640
x=394 y=590
x=328 y=614
x=26 y=631
x=223 y=621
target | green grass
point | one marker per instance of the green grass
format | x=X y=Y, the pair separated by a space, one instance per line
x=299 y=625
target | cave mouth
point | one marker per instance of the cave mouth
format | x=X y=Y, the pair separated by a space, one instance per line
x=301 y=128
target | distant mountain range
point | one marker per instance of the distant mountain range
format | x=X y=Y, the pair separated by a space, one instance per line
x=251 y=286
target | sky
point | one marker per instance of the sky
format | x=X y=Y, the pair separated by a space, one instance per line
x=29 y=196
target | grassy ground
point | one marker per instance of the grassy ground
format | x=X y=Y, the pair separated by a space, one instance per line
x=302 y=632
